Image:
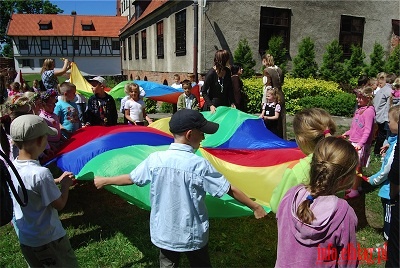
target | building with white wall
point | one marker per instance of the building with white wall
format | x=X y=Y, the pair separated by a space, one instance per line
x=92 y=42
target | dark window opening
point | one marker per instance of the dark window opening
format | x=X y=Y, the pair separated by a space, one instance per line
x=129 y=48
x=95 y=44
x=45 y=25
x=180 y=33
x=23 y=44
x=274 y=22
x=160 y=40
x=137 y=46
x=351 y=33
x=144 y=46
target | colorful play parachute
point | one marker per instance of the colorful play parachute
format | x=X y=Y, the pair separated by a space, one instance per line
x=154 y=91
x=250 y=156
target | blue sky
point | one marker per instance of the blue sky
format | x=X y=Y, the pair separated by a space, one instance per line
x=87 y=7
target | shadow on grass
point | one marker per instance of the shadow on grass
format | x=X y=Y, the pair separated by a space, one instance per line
x=96 y=216
x=359 y=205
x=105 y=215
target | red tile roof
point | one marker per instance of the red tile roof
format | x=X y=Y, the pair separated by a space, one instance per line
x=62 y=25
x=154 y=4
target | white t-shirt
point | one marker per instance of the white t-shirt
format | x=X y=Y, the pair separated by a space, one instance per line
x=38 y=223
x=175 y=85
x=79 y=98
x=135 y=109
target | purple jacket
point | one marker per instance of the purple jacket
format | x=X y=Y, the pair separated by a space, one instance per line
x=329 y=241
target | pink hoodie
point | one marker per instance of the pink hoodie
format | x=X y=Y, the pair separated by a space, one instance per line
x=330 y=239
x=362 y=124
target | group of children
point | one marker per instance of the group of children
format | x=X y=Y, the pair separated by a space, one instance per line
x=309 y=213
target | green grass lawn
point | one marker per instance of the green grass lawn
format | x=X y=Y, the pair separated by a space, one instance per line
x=30 y=77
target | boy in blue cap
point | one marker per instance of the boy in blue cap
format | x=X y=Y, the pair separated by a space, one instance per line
x=179 y=181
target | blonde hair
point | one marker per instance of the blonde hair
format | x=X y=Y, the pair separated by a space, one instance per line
x=396 y=83
x=333 y=167
x=269 y=60
x=128 y=87
x=48 y=64
x=367 y=92
x=394 y=111
x=310 y=126
x=65 y=87
x=395 y=86
x=18 y=105
x=274 y=92
x=372 y=81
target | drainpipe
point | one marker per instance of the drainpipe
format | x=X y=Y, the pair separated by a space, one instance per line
x=73 y=13
x=195 y=38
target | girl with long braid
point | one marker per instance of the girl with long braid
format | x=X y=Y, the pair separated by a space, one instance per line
x=315 y=227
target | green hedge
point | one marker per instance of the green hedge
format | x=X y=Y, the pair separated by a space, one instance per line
x=301 y=93
x=342 y=104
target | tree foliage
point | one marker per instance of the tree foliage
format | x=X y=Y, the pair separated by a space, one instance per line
x=8 y=7
x=7 y=51
x=244 y=56
x=304 y=63
x=377 y=64
x=355 y=65
x=332 y=67
x=393 y=62
x=277 y=49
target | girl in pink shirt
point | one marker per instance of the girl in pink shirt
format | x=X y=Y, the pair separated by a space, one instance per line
x=361 y=134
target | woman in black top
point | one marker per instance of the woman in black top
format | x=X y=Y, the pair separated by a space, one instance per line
x=217 y=89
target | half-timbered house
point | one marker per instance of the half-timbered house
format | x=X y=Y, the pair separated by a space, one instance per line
x=90 y=41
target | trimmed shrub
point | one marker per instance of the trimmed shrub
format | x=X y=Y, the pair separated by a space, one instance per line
x=277 y=49
x=166 y=108
x=244 y=56
x=377 y=64
x=393 y=62
x=304 y=63
x=355 y=65
x=151 y=106
x=252 y=89
x=332 y=68
x=298 y=89
x=340 y=104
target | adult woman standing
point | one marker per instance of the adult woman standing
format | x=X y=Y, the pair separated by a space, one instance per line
x=217 y=89
x=273 y=77
x=49 y=75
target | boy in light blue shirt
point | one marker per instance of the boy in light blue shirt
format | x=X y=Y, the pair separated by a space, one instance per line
x=179 y=182
x=67 y=110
